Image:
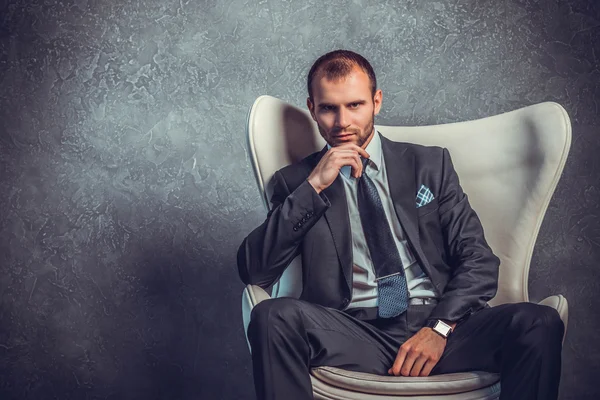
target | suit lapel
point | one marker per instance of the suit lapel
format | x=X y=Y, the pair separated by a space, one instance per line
x=401 y=176
x=339 y=223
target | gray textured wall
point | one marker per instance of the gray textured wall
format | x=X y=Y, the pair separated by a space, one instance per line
x=125 y=188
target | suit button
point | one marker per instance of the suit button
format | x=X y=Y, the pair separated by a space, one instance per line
x=308 y=215
x=345 y=302
x=295 y=228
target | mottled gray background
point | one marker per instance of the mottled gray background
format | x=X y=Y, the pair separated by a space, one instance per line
x=125 y=188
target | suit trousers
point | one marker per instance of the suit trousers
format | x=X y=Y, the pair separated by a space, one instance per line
x=521 y=341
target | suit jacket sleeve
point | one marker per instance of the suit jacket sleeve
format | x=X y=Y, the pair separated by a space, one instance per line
x=474 y=278
x=268 y=250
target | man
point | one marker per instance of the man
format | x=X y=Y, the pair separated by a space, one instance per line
x=396 y=269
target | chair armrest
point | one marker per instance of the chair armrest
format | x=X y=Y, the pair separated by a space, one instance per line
x=560 y=304
x=251 y=296
x=256 y=294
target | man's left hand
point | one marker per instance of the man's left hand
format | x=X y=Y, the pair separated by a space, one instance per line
x=419 y=354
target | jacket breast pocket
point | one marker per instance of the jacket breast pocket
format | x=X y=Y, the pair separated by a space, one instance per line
x=433 y=205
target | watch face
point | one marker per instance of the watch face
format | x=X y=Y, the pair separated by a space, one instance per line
x=442 y=328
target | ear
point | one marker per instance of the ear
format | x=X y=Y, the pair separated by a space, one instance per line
x=311 y=108
x=377 y=99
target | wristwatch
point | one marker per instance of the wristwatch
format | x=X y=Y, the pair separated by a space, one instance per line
x=440 y=327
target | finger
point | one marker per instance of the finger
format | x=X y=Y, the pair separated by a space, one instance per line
x=353 y=160
x=395 y=370
x=359 y=150
x=428 y=367
x=408 y=364
x=363 y=152
x=418 y=365
x=344 y=153
x=352 y=147
x=357 y=166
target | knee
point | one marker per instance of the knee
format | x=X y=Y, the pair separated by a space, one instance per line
x=538 y=319
x=280 y=313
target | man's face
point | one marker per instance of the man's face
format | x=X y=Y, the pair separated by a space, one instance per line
x=344 y=109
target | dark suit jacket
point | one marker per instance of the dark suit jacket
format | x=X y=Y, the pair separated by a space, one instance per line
x=445 y=235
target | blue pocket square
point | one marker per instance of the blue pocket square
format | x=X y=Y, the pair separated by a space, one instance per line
x=424 y=196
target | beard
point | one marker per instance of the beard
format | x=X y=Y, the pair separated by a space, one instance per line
x=362 y=136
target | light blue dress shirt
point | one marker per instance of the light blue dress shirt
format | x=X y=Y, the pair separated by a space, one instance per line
x=364 y=290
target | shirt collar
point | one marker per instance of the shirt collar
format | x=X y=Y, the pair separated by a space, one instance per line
x=374 y=150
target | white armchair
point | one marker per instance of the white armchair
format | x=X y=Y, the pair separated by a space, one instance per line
x=508 y=164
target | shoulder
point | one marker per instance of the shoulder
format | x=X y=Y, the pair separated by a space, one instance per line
x=422 y=154
x=423 y=151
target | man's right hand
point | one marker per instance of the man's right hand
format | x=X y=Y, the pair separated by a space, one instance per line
x=327 y=170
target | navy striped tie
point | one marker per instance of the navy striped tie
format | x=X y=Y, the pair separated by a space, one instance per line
x=391 y=280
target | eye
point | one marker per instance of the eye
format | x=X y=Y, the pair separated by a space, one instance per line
x=354 y=105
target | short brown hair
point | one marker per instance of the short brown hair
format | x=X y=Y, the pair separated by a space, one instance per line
x=338 y=64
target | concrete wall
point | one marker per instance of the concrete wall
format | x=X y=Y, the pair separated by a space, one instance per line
x=125 y=188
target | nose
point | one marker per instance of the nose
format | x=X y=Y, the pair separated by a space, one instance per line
x=343 y=118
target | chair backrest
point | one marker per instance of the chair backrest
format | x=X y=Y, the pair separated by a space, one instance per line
x=508 y=164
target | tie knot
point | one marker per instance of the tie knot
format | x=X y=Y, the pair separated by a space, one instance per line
x=364 y=161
